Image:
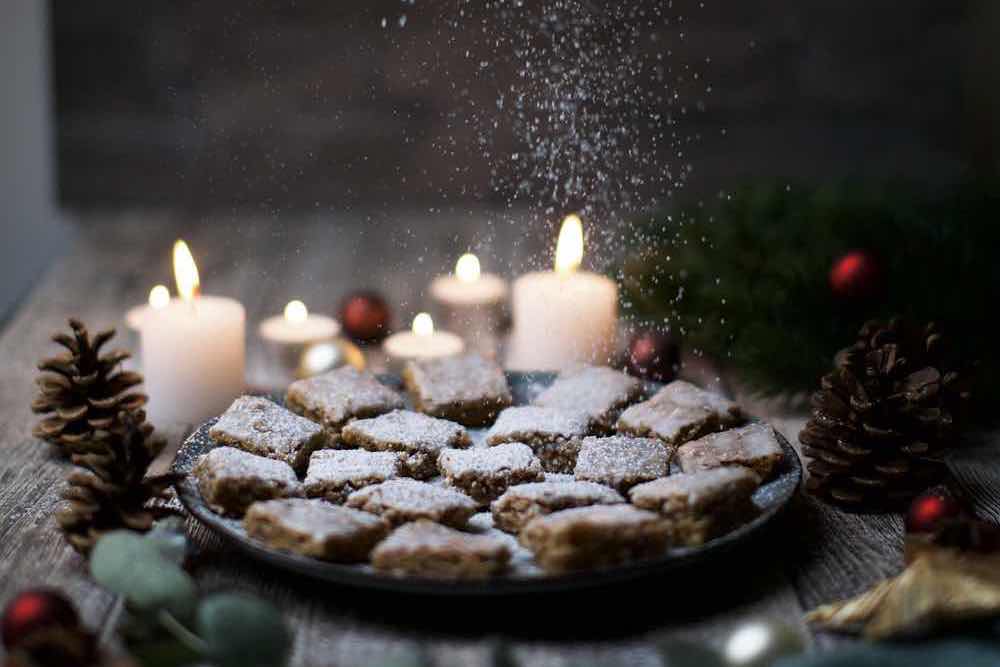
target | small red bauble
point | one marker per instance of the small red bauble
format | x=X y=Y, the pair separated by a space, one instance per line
x=929 y=510
x=365 y=316
x=34 y=610
x=653 y=355
x=855 y=275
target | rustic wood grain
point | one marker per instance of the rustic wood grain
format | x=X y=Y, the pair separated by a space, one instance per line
x=814 y=555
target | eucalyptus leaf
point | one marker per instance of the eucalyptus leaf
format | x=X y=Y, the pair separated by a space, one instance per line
x=240 y=630
x=169 y=537
x=130 y=565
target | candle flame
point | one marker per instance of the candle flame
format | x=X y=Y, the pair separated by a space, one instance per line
x=467 y=268
x=423 y=325
x=569 y=248
x=296 y=312
x=159 y=297
x=185 y=272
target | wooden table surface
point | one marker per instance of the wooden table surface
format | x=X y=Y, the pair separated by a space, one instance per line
x=813 y=555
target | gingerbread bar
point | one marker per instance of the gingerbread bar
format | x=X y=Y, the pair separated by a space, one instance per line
x=621 y=462
x=470 y=390
x=262 y=427
x=524 y=502
x=596 y=536
x=335 y=474
x=230 y=479
x=417 y=438
x=485 y=473
x=336 y=397
x=699 y=506
x=553 y=434
x=754 y=446
x=598 y=391
x=316 y=528
x=678 y=413
x=402 y=500
x=426 y=549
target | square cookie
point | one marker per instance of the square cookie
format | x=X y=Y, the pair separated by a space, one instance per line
x=699 y=506
x=334 y=398
x=470 y=390
x=553 y=434
x=426 y=549
x=524 y=502
x=597 y=391
x=485 y=473
x=315 y=528
x=621 y=461
x=335 y=474
x=596 y=536
x=417 y=438
x=754 y=446
x=264 y=428
x=401 y=500
x=679 y=412
x=230 y=479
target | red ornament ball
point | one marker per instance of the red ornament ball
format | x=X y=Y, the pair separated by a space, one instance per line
x=929 y=510
x=653 y=355
x=365 y=316
x=855 y=275
x=34 y=610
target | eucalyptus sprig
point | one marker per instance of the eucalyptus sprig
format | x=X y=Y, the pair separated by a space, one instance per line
x=167 y=624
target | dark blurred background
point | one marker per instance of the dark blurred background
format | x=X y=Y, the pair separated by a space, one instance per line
x=215 y=108
x=299 y=105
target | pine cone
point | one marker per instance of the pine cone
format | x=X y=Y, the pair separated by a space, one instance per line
x=83 y=391
x=883 y=417
x=112 y=490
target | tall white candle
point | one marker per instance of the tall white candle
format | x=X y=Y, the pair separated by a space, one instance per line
x=565 y=316
x=193 y=351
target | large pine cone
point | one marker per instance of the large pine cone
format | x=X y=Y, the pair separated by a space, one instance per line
x=112 y=490
x=883 y=417
x=83 y=391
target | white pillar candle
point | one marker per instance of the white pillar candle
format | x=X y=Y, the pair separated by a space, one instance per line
x=566 y=316
x=421 y=342
x=193 y=351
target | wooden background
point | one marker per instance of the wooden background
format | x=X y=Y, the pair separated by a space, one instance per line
x=814 y=554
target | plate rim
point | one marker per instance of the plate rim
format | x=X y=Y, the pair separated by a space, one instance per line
x=359 y=576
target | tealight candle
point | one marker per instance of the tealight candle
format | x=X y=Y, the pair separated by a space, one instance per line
x=468 y=286
x=289 y=338
x=566 y=316
x=193 y=350
x=421 y=342
x=298 y=326
x=472 y=303
x=159 y=298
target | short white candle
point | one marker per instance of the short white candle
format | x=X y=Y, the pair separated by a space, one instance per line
x=422 y=342
x=159 y=298
x=298 y=326
x=193 y=351
x=468 y=286
x=566 y=316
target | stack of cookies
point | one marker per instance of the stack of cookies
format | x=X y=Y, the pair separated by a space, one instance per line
x=585 y=476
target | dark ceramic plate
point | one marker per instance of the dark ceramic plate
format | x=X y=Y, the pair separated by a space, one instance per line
x=524 y=576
